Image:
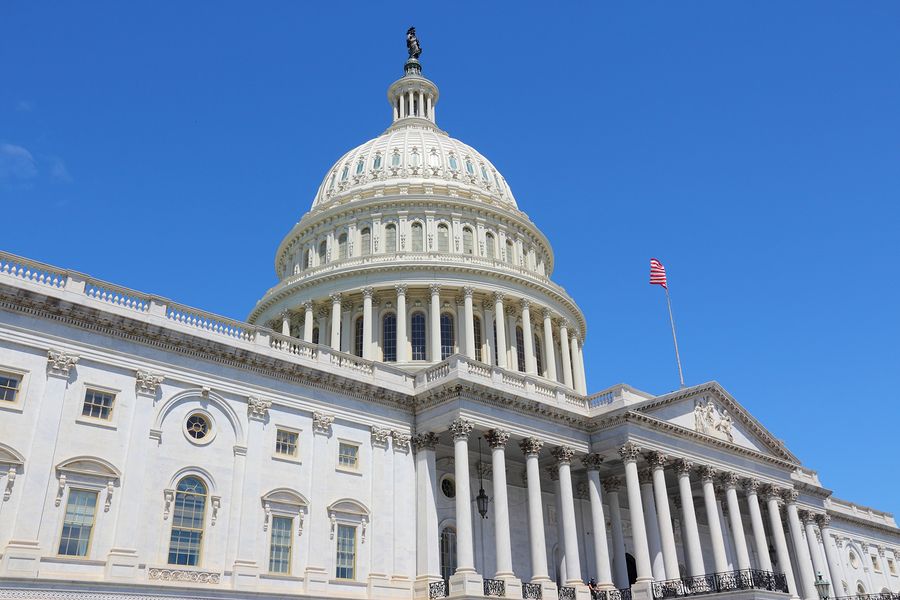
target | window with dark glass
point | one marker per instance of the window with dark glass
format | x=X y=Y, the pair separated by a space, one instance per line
x=489 y=245
x=476 y=324
x=377 y=164
x=365 y=246
x=417 y=335
x=443 y=236
x=538 y=355
x=280 y=545
x=358 y=337
x=496 y=347
x=389 y=337
x=448 y=552
x=78 y=523
x=305 y=263
x=448 y=345
x=390 y=238
x=187 y=522
x=342 y=246
x=323 y=252
x=520 y=348
x=417 y=245
x=467 y=241
x=359 y=167
x=315 y=335
x=509 y=252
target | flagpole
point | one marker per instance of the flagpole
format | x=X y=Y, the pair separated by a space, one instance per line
x=671 y=320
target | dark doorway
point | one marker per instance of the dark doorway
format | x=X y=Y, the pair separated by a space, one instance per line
x=632 y=569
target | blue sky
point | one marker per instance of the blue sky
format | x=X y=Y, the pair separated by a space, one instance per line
x=752 y=147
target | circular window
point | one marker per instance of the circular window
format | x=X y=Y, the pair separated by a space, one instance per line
x=448 y=487
x=199 y=427
x=853 y=562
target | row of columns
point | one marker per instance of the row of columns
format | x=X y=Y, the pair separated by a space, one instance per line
x=653 y=535
x=404 y=103
x=572 y=358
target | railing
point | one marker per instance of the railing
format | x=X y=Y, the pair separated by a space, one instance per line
x=352 y=363
x=437 y=589
x=600 y=399
x=437 y=372
x=882 y=596
x=566 y=593
x=531 y=591
x=293 y=346
x=494 y=587
x=209 y=322
x=542 y=390
x=107 y=292
x=30 y=270
x=513 y=381
x=721 y=582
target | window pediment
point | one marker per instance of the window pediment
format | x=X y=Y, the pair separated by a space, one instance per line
x=349 y=506
x=8 y=456
x=90 y=466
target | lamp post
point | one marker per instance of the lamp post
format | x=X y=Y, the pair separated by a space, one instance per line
x=481 y=500
x=822 y=586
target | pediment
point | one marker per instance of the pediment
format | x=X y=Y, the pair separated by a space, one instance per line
x=91 y=466
x=285 y=496
x=8 y=456
x=348 y=506
x=709 y=412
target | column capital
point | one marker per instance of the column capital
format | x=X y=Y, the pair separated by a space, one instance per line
x=380 y=436
x=807 y=517
x=645 y=476
x=656 y=460
x=435 y=288
x=880 y=549
x=425 y=441
x=346 y=306
x=60 y=362
x=335 y=297
x=401 y=440
x=562 y=454
x=553 y=471
x=309 y=305
x=287 y=314
x=487 y=304
x=864 y=546
x=771 y=492
x=367 y=291
x=498 y=296
x=730 y=479
x=573 y=335
x=611 y=485
x=547 y=313
x=630 y=452
x=839 y=541
x=823 y=520
x=591 y=462
x=323 y=312
x=789 y=495
x=468 y=291
x=257 y=408
x=497 y=438
x=460 y=301
x=683 y=467
x=706 y=473
x=400 y=288
x=531 y=446
x=562 y=323
x=322 y=423
x=461 y=428
x=525 y=303
x=752 y=486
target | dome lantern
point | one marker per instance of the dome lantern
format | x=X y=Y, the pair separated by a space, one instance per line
x=412 y=96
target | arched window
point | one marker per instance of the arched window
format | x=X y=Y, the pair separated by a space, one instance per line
x=305 y=262
x=390 y=238
x=448 y=552
x=417 y=237
x=358 y=336
x=443 y=235
x=315 y=339
x=389 y=337
x=509 y=252
x=377 y=164
x=476 y=325
x=342 y=246
x=520 y=348
x=417 y=335
x=359 y=167
x=188 y=515
x=467 y=241
x=538 y=355
x=496 y=347
x=323 y=252
x=860 y=589
x=448 y=345
x=489 y=245
x=365 y=244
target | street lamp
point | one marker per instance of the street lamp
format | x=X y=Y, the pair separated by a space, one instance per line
x=481 y=499
x=822 y=587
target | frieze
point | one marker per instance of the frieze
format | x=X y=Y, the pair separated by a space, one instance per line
x=183 y=575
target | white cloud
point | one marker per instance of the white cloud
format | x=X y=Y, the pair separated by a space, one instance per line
x=16 y=162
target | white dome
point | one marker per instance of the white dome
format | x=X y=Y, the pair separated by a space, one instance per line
x=413 y=151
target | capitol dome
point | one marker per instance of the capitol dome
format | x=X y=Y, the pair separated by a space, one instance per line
x=414 y=250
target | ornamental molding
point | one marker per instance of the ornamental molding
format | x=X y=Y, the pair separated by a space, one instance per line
x=181 y=575
x=645 y=477
x=531 y=446
x=553 y=471
x=425 y=441
x=380 y=436
x=401 y=440
x=147 y=382
x=257 y=408
x=611 y=485
x=461 y=428
x=630 y=452
x=497 y=438
x=562 y=454
x=59 y=362
x=851 y=520
x=322 y=423
x=591 y=462
x=656 y=460
x=10 y=481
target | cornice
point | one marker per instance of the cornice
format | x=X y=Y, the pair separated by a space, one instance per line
x=850 y=520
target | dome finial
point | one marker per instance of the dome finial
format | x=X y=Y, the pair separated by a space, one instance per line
x=412 y=66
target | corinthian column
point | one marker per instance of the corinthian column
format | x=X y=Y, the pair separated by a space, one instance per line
x=428 y=560
x=548 y=344
x=531 y=447
x=804 y=564
x=712 y=515
x=499 y=316
x=497 y=439
x=577 y=366
x=308 y=306
x=528 y=335
x=657 y=462
x=435 y=321
x=781 y=549
x=367 y=322
x=488 y=307
x=468 y=325
x=630 y=453
x=653 y=541
x=564 y=353
x=620 y=566
x=730 y=480
x=563 y=456
x=751 y=488
x=336 y=321
x=809 y=524
x=402 y=339
x=465 y=581
x=592 y=464
x=689 y=527
x=286 y=315
x=831 y=554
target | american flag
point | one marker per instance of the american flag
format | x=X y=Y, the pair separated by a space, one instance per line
x=657 y=273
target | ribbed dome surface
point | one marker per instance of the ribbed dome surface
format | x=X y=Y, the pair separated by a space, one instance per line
x=413 y=150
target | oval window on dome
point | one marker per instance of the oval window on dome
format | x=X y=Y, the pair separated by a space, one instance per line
x=453 y=164
x=377 y=164
x=395 y=160
x=359 y=167
x=484 y=174
x=344 y=174
x=470 y=168
x=414 y=159
x=434 y=161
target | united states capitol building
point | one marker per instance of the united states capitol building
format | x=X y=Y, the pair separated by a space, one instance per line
x=406 y=414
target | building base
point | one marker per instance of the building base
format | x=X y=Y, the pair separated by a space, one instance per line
x=245 y=575
x=466 y=584
x=121 y=565
x=22 y=558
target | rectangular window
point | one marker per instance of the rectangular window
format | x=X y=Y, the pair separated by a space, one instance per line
x=286 y=443
x=97 y=405
x=346 y=552
x=891 y=567
x=78 y=524
x=347 y=456
x=9 y=387
x=875 y=564
x=280 y=546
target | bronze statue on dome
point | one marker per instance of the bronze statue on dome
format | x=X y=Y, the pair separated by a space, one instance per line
x=412 y=43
